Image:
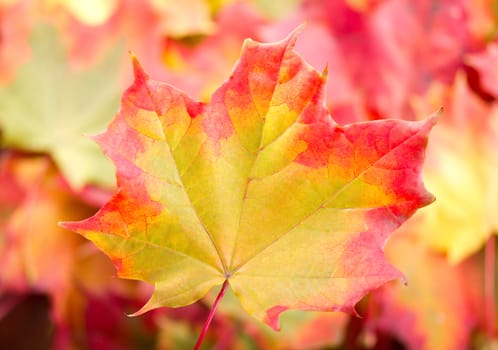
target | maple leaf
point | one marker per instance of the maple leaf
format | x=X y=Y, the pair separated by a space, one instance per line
x=48 y=108
x=259 y=189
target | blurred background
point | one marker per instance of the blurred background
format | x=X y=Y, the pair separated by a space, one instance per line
x=63 y=67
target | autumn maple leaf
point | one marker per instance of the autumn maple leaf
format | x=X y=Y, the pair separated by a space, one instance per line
x=259 y=189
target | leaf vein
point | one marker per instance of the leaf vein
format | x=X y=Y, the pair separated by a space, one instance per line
x=331 y=198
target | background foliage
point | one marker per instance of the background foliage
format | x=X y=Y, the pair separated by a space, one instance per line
x=63 y=65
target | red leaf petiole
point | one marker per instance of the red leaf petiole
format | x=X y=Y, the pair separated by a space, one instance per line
x=211 y=315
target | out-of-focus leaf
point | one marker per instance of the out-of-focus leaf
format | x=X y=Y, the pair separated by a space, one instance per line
x=200 y=69
x=49 y=108
x=196 y=63
x=259 y=188
x=437 y=309
x=401 y=63
x=486 y=63
x=35 y=254
x=461 y=171
x=147 y=27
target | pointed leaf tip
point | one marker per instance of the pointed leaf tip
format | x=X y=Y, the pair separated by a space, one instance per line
x=99 y=138
x=435 y=116
x=298 y=30
x=292 y=37
x=432 y=120
x=68 y=225
x=325 y=72
x=61 y=224
x=139 y=312
x=138 y=70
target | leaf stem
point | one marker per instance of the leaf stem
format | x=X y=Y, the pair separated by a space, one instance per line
x=211 y=315
x=489 y=286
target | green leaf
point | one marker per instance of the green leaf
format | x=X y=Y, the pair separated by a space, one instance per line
x=49 y=107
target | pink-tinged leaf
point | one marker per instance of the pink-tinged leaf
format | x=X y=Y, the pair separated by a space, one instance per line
x=259 y=187
x=437 y=309
x=136 y=23
x=375 y=67
x=150 y=29
x=486 y=63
